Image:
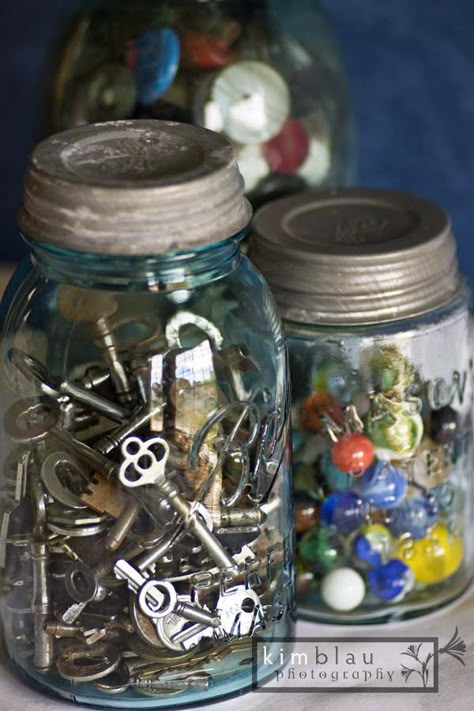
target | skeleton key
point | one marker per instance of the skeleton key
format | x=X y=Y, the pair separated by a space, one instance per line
x=180 y=606
x=35 y=372
x=151 y=598
x=191 y=636
x=138 y=455
x=241 y=612
x=135 y=451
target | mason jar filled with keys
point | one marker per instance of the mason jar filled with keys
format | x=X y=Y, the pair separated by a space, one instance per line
x=146 y=539
x=380 y=338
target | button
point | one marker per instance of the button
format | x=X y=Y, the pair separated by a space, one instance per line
x=317 y=164
x=205 y=51
x=252 y=101
x=288 y=150
x=252 y=163
x=157 y=61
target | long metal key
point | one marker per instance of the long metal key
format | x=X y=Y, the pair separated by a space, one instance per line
x=140 y=457
x=151 y=597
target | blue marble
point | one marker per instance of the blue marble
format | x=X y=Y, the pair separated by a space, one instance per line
x=414 y=516
x=343 y=510
x=382 y=485
x=390 y=581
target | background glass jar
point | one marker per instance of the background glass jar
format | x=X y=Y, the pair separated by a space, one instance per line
x=380 y=340
x=145 y=496
x=270 y=80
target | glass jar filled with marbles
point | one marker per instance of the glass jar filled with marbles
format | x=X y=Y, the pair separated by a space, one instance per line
x=379 y=331
x=268 y=77
x=145 y=494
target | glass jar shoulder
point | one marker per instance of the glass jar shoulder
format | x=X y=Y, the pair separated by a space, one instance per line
x=61 y=322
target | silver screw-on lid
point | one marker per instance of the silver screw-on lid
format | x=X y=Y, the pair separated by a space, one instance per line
x=133 y=188
x=355 y=256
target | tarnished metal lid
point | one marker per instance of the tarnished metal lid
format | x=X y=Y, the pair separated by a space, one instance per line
x=355 y=256
x=133 y=188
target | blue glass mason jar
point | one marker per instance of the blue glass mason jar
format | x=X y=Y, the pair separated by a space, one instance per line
x=380 y=338
x=146 y=517
x=267 y=76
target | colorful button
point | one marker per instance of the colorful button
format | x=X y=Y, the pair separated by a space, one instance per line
x=353 y=454
x=157 y=61
x=343 y=589
x=204 y=51
x=253 y=101
x=344 y=510
x=288 y=150
x=373 y=544
x=390 y=582
x=434 y=558
x=382 y=485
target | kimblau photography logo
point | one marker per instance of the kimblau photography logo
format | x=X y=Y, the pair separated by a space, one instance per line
x=353 y=664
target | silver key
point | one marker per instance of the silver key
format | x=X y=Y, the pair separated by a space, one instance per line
x=241 y=612
x=135 y=451
x=151 y=598
x=35 y=372
x=19 y=492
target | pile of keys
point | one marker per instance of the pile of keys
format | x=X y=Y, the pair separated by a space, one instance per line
x=143 y=535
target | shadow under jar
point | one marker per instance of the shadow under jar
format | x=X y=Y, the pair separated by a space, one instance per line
x=380 y=337
x=146 y=520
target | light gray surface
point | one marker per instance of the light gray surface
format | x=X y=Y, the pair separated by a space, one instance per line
x=456 y=683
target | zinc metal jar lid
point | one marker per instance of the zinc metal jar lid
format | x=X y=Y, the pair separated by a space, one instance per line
x=355 y=256
x=133 y=188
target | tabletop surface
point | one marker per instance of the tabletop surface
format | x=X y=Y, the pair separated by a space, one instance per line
x=456 y=682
